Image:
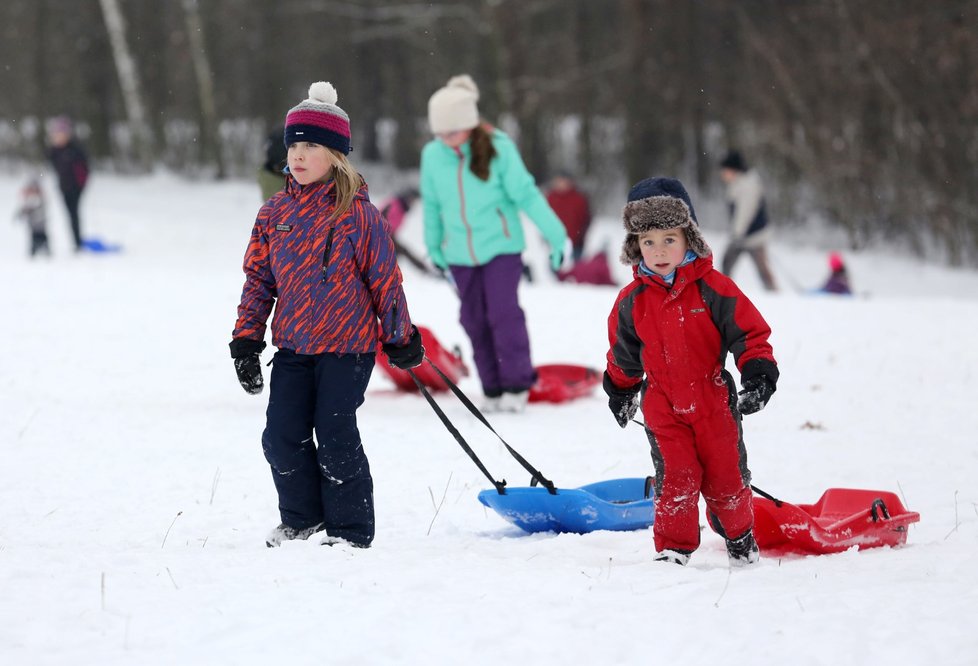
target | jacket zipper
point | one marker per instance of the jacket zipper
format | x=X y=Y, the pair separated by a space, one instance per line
x=461 y=197
x=505 y=223
x=329 y=245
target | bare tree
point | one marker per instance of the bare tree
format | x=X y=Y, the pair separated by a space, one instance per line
x=129 y=83
x=210 y=148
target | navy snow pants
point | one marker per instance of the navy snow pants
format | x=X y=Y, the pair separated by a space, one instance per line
x=327 y=480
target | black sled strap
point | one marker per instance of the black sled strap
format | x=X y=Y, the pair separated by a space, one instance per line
x=499 y=485
x=763 y=494
x=535 y=474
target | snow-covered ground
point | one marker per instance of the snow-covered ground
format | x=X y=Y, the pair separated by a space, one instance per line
x=134 y=497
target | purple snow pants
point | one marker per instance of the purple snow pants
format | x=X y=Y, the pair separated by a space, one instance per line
x=494 y=321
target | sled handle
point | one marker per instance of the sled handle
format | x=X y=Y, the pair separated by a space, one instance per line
x=649 y=480
x=878 y=502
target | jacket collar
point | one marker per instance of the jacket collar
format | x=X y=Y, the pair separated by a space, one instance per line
x=685 y=274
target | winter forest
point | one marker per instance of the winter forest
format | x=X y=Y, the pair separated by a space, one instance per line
x=862 y=114
x=141 y=487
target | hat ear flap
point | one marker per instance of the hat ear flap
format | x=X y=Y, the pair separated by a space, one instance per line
x=696 y=242
x=631 y=254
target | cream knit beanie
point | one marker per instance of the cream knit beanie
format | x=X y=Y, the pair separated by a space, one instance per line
x=453 y=107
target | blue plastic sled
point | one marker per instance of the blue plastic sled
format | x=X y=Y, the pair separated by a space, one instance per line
x=617 y=505
x=98 y=245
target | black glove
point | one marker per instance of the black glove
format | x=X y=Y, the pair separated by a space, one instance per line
x=623 y=403
x=247 y=363
x=406 y=356
x=757 y=391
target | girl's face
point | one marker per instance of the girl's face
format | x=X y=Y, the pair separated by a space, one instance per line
x=309 y=162
x=663 y=249
x=454 y=139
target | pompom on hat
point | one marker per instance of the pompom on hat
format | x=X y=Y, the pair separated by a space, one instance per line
x=317 y=119
x=659 y=203
x=453 y=108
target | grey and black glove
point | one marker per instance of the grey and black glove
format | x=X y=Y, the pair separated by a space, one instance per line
x=623 y=403
x=247 y=363
x=757 y=391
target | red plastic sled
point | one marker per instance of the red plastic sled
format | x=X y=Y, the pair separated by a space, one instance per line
x=560 y=383
x=842 y=518
x=594 y=270
x=449 y=362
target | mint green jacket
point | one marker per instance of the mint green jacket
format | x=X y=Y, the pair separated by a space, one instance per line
x=471 y=220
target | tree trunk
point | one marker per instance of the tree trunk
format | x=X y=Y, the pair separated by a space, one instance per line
x=129 y=83
x=210 y=147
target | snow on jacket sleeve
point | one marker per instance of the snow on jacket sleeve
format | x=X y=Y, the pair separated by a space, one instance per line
x=625 y=354
x=259 y=293
x=743 y=330
x=377 y=260
x=434 y=229
x=522 y=189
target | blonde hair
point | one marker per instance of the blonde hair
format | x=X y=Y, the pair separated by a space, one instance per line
x=347 y=180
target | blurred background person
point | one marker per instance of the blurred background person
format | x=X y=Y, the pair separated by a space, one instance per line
x=32 y=212
x=271 y=175
x=838 y=280
x=473 y=186
x=71 y=164
x=395 y=209
x=573 y=209
x=749 y=229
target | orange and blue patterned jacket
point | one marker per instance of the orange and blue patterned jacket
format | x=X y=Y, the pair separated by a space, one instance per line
x=335 y=285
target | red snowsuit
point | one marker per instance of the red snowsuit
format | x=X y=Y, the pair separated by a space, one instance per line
x=678 y=337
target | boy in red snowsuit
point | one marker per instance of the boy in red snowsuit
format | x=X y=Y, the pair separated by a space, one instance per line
x=670 y=331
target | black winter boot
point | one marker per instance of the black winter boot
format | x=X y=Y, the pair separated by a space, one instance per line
x=743 y=551
x=284 y=533
x=680 y=557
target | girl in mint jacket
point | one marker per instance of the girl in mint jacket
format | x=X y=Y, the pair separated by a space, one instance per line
x=473 y=186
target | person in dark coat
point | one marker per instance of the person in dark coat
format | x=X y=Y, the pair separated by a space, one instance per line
x=71 y=164
x=573 y=209
x=670 y=331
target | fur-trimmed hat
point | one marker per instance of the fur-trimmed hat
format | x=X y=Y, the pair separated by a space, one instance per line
x=659 y=203
x=319 y=120
x=453 y=108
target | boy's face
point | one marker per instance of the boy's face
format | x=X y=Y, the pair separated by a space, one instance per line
x=663 y=249
x=309 y=162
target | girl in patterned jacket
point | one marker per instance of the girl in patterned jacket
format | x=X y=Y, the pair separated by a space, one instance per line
x=321 y=255
x=670 y=331
x=473 y=186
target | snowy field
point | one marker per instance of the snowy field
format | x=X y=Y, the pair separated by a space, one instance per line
x=134 y=498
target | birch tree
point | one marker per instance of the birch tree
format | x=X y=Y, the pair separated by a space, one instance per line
x=129 y=83
x=209 y=145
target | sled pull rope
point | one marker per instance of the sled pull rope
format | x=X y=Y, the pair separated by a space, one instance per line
x=534 y=472
x=763 y=494
x=500 y=486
